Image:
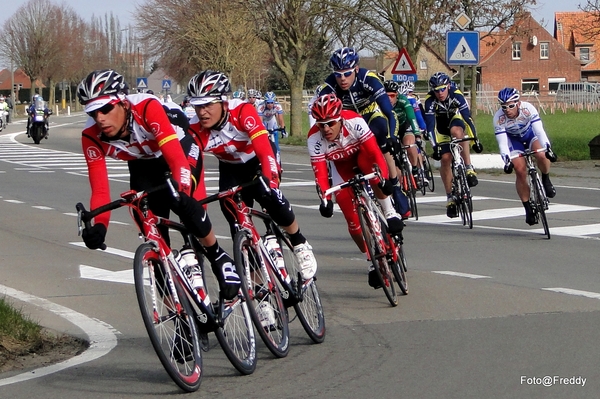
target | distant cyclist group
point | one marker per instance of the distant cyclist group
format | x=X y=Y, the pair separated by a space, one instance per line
x=361 y=124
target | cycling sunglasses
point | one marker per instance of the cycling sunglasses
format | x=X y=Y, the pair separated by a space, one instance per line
x=343 y=73
x=508 y=106
x=440 y=89
x=322 y=124
x=103 y=110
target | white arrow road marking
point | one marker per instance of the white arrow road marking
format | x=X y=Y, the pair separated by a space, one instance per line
x=95 y=273
x=570 y=291
x=458 y=274
x=101 y=336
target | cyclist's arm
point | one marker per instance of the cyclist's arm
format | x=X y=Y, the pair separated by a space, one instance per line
x=97 y=173
x=418 y=113
x=158 y=123
x=430 y=119
x=501 y=137
x=316 y=150
x=261 y=144
x=465 y=112
x=537 y=126
x=280 y=121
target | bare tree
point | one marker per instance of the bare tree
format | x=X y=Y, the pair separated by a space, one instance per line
x=295 y=32
x=29 y=38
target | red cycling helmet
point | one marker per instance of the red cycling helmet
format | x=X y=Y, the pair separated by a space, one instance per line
x=327 y=107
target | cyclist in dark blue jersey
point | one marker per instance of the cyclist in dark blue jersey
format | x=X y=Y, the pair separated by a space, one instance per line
x=362 y=91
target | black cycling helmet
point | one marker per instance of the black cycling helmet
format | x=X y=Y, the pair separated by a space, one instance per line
x=208 y=86
x=438 y=80
x=391 y=86
x=100 y=86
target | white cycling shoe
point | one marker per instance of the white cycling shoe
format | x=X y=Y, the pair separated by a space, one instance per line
x=306 y=260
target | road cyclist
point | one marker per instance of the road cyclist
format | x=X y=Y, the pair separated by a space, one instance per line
x=271 y=113
x=447 y=115
x=518 y=127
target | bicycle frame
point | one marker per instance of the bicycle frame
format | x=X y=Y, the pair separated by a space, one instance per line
x=460 y=186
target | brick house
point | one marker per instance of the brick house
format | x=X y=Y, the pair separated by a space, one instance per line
x=21 y=80
x=528 y=58
x=577 y=31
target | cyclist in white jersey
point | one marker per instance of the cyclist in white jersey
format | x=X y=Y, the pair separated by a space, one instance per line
x=271 y=113
x=518 y=126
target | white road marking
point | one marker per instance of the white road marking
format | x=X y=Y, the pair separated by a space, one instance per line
x=458 y=274
x=570 y=291
x=101 y=336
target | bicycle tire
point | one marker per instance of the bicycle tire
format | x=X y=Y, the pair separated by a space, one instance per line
x=309 y=309
x=178 y=352
x=428 y=171
x=377 y=254
x=399 y=269
x=465 y=202
x=410 y=189
x=275 y=335
x=236 y=336
x=539 y=202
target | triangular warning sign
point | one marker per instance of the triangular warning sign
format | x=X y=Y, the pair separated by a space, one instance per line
x=142 y=84
x=403 y=64
x=462 y=52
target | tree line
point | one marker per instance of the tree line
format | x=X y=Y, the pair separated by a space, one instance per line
x=251 y=40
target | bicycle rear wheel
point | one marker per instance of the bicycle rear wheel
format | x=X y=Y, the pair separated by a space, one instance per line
x=373 y=236
x=169 y=323
x=539 y=202
x=308 y=307
x=399 y=268
x=236 y=337
x=260 y=288
x=428 y=171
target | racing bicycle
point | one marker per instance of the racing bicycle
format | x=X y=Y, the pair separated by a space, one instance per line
x=176 y=315
x=384 y=250
x=537 y=195
x=407 y=179
x=425 y=168
x=270 y=273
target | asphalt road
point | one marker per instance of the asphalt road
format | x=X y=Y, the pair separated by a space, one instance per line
x=491 y=311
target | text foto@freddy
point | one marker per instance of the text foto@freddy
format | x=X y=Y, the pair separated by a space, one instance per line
x=551 y=380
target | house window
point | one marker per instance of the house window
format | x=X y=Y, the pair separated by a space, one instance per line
x=530 y=86
x=553 y=84
x=544 y=50
x=584 y=54
x=516 y=51
x=423 y=64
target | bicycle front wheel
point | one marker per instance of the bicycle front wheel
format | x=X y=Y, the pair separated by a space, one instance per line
x=260 y=288
x=428 y=172
x=169 y=321
x=540 y=202
x=236 y=336
x=399 y=268
x=465 y=204
x=308 y=306
x=373 y=236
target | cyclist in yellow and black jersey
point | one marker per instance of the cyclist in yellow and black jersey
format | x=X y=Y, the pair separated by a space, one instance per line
x=447 y=115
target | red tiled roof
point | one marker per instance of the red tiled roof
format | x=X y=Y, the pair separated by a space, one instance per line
x=576 y=28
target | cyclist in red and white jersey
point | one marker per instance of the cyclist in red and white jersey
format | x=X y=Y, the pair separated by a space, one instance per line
x=136 y=128
x=233 y=132
x=344 y=138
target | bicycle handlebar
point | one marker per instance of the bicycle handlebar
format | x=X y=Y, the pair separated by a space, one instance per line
x=354 y=180
x=527 y=153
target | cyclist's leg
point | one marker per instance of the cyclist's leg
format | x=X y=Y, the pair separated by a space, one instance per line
x=459 y=129
x=543 y=164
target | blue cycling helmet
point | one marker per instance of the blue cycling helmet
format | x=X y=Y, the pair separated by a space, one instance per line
x=508 y=94
x=270 y=97
x=344 y=58
x=438 y=79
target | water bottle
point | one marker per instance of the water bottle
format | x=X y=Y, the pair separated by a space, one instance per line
x=191 y=268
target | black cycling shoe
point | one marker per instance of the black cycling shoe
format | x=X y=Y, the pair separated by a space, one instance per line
x=549 y=188
x=530 y=218
x=374 y=279
x=229 y=281
x=451 y=209
x=472 y=180
x=395 y=225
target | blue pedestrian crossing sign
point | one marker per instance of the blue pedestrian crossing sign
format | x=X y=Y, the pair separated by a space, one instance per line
x=462 y=47
x=166 y=84
x=142 y=83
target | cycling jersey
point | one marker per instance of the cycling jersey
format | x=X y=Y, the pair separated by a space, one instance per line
x=441 y=115
x=151 y=136
x=514 y=134
x=269 y=116
x=405 y=112
x=417 y=106
x=366 y=96
x=355 y=146
x=242 y=146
